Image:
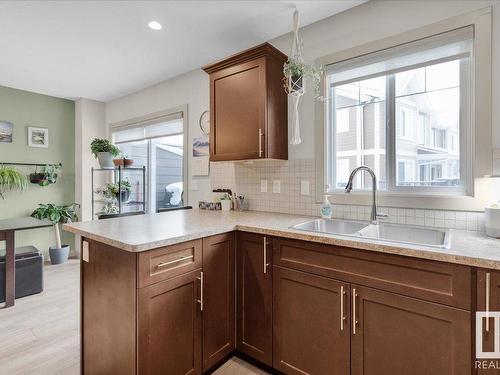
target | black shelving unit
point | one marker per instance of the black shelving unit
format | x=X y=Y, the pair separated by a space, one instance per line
x=118 y=174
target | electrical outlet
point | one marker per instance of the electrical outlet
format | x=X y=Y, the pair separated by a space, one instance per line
x=304 y=187
x=263 y=186
x=276 y=186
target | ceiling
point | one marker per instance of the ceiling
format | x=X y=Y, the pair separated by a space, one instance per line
x=104 y=49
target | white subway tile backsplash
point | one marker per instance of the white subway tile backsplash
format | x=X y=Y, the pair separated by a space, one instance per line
x=248 y=178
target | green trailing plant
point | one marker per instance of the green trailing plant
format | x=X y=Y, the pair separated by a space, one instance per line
x=11 y=179
x=56 y=215
x=297 y=71
x=103 y=145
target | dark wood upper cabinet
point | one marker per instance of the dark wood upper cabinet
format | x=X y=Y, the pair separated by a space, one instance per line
x=254 y=297
x=170 y=323
x=488 y=299
x=402 y=335
x=218 y=298
x=311 y=324
x=248 y=106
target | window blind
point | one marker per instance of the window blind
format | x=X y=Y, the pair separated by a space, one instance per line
x=439 y=48
x=151 y=128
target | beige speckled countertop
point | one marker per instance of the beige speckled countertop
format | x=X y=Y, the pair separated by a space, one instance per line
x=145 y=232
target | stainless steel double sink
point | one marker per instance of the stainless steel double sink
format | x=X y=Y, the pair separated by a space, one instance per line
x=412 y=235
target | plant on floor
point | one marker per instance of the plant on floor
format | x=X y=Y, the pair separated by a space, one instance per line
x=57 y=215
x=11 y=179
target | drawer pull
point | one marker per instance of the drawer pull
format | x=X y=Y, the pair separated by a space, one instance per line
x=164 y=264
x=488 y=288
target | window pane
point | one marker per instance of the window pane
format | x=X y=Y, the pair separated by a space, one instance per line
x=360 y=131
x=428 y=128
x=167 y=171
x=138 y=151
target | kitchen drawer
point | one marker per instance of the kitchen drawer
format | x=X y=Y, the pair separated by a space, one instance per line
x=443 y=283
x=166 y=262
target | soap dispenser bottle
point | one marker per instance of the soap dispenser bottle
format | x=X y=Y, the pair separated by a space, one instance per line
x=326 y=209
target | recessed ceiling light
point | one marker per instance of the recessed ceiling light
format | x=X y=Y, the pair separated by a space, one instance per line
x=154 y=25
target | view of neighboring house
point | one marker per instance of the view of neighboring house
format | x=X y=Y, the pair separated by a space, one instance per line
x=427 y=126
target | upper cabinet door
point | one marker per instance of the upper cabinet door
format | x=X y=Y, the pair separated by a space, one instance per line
x=393 y=334
x=248 y=106
x=238 y=118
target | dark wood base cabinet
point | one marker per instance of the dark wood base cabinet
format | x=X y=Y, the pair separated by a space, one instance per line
x=298 y=307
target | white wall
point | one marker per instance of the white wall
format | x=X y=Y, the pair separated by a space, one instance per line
x=89 y=124
x=191 y=89
x=368 y=22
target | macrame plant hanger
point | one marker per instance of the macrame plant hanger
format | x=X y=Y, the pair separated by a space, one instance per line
x=296 y=84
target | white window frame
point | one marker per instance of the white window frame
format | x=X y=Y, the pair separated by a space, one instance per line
x=479 y=149
x=180 y=111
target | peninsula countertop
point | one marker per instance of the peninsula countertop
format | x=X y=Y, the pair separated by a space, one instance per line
x=145 y=232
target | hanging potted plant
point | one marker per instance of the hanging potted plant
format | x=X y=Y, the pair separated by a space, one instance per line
x=57 y=215
x=11 y=179
x=104 y=151
x=47 y=176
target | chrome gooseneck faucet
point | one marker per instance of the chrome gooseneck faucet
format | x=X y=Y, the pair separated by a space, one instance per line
x=374 y=215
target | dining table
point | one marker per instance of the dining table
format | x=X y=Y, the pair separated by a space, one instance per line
x=8 y=228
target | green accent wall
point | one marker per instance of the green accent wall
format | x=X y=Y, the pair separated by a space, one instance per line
x=24 y=109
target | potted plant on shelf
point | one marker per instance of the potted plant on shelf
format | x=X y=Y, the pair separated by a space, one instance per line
x=47 y=176
x=123 y=161
x=11 y=179
x=56 y=215
x=112 y=190
x=104 y=151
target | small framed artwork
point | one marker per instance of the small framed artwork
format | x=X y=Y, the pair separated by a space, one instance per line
x=38 y=137
x=6 y=129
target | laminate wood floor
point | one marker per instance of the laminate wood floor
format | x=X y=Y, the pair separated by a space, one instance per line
x=40 y=334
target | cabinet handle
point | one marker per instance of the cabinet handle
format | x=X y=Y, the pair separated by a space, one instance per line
x=200 y=301
x=342 y=313
x=488 y=289
x=261 y=134
x=354 y=320
x=266 y=264
x=164 y=264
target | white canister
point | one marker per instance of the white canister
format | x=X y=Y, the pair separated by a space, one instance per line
x=492 y=220
x=226 y=204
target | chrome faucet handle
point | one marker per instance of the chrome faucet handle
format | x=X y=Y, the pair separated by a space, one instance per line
x=382 y=216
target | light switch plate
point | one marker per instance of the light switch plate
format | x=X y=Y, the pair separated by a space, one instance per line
x=277 y=186
x=304 y=187
x=263 y=186
x=85 y=251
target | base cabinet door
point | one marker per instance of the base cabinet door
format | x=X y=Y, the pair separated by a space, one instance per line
x=218 y=298
x=170 y=323
x=393 y=334
x=254 y=297
x=311 y=324
x=488 y=300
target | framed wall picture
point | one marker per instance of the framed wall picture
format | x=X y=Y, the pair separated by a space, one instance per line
x=6 y=129
x=38 y=137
